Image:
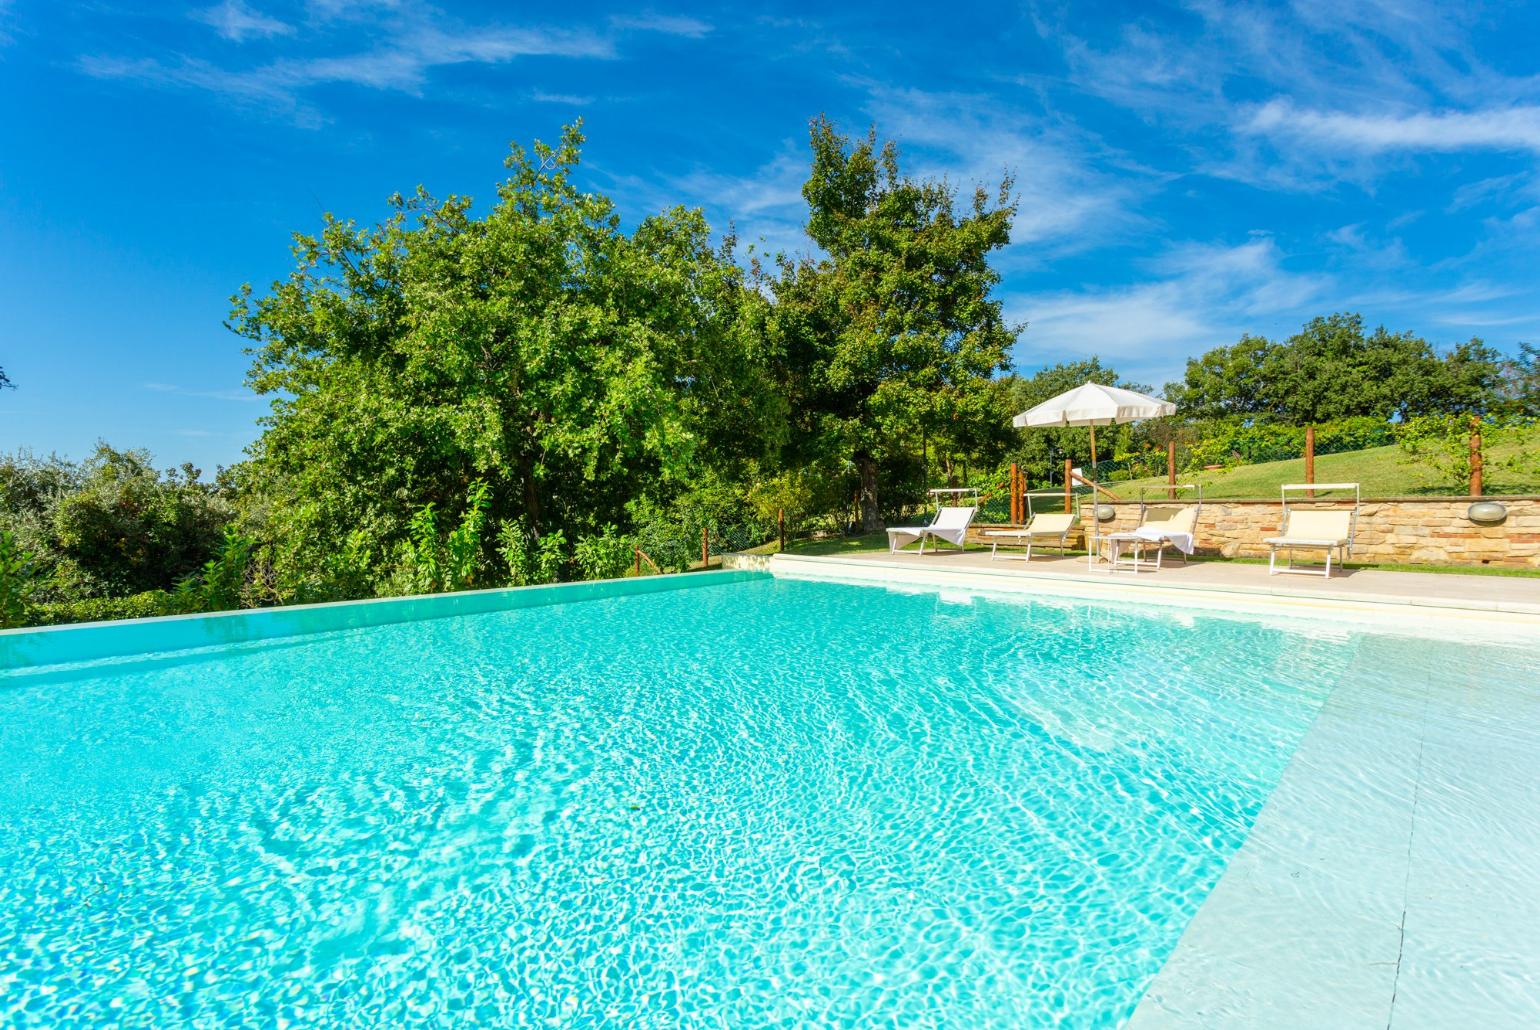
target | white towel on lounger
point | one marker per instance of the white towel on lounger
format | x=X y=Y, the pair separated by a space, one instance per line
x=1181 y=541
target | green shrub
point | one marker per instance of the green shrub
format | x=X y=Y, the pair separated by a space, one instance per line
x=529 y=559
x=101 y=609
x=18 y=581
x=606 y=556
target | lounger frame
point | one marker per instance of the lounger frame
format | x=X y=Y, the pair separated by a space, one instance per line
x=1342 y=546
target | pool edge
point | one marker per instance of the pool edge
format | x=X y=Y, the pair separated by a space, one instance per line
x=32 y=647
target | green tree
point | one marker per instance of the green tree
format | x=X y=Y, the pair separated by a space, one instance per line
x=112 y=525
x=892 y=334
x=1331 y=369
x=1521 y=382
x=536 y=348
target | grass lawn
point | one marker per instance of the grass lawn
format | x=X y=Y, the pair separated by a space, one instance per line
x=1382 y=471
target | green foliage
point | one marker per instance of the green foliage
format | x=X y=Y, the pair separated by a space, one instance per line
x=892 y=335
x=605 y=555
x=111 y=525
x=571 y=367
x=529 y=559
x=431 y=562
x=1442 y=443
x=1332 y=370
x=220 y=585
x=101 y=609
x=672 y=547
x=17 y=582
x=1521 y=383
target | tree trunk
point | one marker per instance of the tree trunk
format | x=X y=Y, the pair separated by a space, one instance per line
x=871 y=518
x=531 y=495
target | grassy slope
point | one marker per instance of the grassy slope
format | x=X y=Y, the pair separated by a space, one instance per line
x=1382 y=471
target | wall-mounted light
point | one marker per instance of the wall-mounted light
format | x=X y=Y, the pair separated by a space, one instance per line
x=1487 y=513
x=1105 y=513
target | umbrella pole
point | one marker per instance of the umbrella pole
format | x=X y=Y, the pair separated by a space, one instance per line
x=1093 y=453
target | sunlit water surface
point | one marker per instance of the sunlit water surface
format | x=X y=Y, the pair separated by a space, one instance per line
x=761 y=803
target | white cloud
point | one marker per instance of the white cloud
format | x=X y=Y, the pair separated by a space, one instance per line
x=1202 y=296
x=409 y=48
x=665 y=24
x=244 y=396
x=234 y=21
x=562 y=99
x=1511 y=128
x=975 y=139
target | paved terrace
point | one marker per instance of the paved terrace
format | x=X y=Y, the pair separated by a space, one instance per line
x=1392 y=880
x=1514 y=594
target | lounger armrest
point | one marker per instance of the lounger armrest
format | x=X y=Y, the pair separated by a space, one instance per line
x=1301 y=541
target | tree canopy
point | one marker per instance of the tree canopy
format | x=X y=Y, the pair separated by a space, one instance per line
x=573 y=369
x=891 y=337
x=1331 y=369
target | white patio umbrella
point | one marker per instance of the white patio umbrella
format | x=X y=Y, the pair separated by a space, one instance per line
x=1093 y=405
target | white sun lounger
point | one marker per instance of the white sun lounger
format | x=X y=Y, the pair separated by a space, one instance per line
x=1051 y=528
x=951 y=524
x=1326 y=530
x=1170 y=527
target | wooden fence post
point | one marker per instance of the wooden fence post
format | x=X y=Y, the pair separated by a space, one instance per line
x=1015 y=495
x=1170 y=470
x=705 y=547
x=1310 y=458
x=1475 y=456
x=1068 y=486
x=780 y=521
x=638 y=551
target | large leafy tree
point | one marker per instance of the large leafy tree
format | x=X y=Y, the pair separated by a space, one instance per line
x=1332 y=369
x=892 y=334
x=537 y=348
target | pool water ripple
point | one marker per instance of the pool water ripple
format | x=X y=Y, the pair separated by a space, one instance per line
x=765 y=803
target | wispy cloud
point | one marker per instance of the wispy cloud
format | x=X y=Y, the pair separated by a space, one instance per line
x=1062 y=194
x=563 y=99
x=244 y=396
x=1197 y=297
x=1512 y=128
x=666 y=24
x=406 y=45
x=235 y=21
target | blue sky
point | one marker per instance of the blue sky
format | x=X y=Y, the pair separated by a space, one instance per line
x=1186 y=172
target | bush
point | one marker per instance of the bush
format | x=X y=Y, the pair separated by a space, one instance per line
x=100 y=609
x=1442 y=443
x=17 y=582
x=530 y=559
x=606 y=556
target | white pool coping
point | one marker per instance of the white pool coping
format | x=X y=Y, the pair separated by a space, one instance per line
x=1492 y=618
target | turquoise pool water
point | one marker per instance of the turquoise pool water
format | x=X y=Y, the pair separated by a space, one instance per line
x=763 y=802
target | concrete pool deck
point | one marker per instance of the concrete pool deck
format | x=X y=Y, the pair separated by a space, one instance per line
x=1516 y=595
x=1392 y=879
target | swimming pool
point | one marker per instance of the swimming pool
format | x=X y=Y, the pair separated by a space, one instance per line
x=755 y=800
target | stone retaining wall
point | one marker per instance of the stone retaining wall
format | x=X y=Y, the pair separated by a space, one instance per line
x=1401 y=530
